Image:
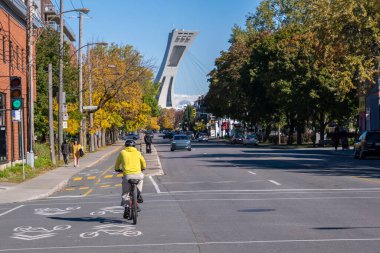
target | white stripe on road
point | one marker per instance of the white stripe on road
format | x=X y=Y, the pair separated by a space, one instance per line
x=280 y=190
x=195 y=243
x=253 y=173
x=66 y=196
x=11 y=210
x=274 y=182
x=155 y=185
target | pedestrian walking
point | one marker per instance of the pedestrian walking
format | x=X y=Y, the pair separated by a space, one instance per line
x=77 y=150
x=148 y=142
x=66 y=150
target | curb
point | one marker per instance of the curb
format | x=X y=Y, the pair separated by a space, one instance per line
x=158 y=171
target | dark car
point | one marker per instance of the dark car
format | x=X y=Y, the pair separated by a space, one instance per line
x=368 y=144
x=168 y=135
x=237 y=139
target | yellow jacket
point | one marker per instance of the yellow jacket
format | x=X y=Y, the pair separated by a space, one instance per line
x=131 y=160
x=76 y=150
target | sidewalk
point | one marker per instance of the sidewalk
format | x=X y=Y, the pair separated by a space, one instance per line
x=52 y=181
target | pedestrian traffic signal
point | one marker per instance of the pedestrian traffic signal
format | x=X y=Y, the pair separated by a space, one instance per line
x=16 y=92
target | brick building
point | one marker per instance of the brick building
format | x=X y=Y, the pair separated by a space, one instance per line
x=13 y=54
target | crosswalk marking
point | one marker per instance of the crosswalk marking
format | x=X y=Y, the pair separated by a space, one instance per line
x=117 y=185
x=70 y=189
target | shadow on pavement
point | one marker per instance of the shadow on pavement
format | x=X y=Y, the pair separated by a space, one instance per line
x=256 y=210
x=90 y=219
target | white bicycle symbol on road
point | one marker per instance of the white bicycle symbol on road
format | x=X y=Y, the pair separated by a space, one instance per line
x=112 y=229
x=33 y=233
x=111 y=209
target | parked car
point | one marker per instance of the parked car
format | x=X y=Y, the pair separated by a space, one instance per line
x=180 y=141
x=251 y=139
x=131 y=136
x=237 y=139
x=168 y=135
x=202 y=137
x=368 y=144
x=150 y=132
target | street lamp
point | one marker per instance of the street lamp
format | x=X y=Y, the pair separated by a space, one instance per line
x=60 y=87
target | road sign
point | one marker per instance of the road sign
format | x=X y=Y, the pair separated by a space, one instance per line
x=65 y=116
x=16 y=115
x=90 y=107
x=64 y=108
x=64 y=124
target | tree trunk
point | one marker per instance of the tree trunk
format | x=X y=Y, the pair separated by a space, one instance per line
x=103 y=138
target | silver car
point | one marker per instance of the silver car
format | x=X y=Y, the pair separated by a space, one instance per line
x=180 y=141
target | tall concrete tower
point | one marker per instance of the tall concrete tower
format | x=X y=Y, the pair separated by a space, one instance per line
x=178 y=43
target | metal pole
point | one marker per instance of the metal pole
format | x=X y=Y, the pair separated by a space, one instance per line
x=22 y=144
x=51 y=120
x=92 y=139
x=60 y=86
x=80 y=80
x=31 y=84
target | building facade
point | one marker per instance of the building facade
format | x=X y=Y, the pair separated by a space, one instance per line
x=178 y=43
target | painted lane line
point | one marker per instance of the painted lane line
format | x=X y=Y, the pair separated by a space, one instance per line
x=77 y=178
x=118 y=185
x=274 y=182
x=277 y=190
x=91 y=177
x=70 y=189
x=66 y=196
x=195 y=243
x=108 y=176
x=155 y=184
x=11 y=210
x=88 y=192
x=119 y=175
x=105 y=186
x=253 y=173
x=84 y=188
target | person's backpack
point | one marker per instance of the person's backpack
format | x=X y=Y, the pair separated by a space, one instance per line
x=81 y=153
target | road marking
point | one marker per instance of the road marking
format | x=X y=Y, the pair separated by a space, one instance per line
x=279 y=190
x=105 y=186
x=84 y=188
x=368 y=180
x=155 y=184
x=77 y=178
x=194 y=243
x=118 y=185
x=253 y=173
x=11 y=210
x=274 y=182
x=210 y=182
x=88 y=192
x=70 y=189
x=108 y=176
x=66 y=196
x=119 y=175
x=91 y=177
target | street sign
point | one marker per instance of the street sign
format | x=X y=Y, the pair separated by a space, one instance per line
x=16 y=115
x=64 y=108
x=65 y=116
x=64 y=124
x=90 y=107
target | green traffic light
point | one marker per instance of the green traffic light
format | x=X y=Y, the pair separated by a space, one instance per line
x=16 y=104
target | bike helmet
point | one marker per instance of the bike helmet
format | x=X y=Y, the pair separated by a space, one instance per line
x=130 y=143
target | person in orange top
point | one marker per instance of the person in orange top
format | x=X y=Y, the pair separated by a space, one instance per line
x=76 y=153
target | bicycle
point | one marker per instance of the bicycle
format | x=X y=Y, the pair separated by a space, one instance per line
x=132 y=210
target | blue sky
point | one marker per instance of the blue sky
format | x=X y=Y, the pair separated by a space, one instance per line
x=145 y=24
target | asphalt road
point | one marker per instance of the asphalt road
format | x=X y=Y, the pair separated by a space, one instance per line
x=216 y=198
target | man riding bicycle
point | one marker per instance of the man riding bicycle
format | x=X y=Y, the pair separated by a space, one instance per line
x=132 y=164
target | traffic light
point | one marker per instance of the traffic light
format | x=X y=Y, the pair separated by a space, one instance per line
x=16 y=92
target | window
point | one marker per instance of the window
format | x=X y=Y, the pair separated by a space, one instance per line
x=17 y=58
x=4 y=55
x=22 y=59
x=10 y=52
x=2 y=110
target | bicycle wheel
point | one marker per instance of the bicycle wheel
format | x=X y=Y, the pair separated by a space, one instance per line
x=134 y=205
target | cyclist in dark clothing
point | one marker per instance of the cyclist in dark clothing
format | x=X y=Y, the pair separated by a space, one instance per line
x=148 y=142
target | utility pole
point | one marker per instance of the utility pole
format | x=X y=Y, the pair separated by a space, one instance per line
x=51 y=127
x=30 y=155
x=82 y=134
x=92 y=139
x=60 y=85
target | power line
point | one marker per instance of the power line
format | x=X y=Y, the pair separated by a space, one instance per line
x=81 y=3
